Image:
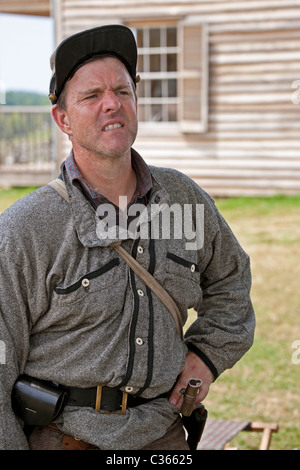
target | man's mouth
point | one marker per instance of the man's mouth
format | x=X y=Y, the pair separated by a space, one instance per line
x=112 y=127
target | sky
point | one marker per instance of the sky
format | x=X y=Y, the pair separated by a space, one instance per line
x=26 y=43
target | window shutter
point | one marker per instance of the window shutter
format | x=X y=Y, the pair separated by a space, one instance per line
x=193 y=77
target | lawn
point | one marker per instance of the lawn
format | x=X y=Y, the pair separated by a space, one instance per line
x=264 y=384
x=9 y=196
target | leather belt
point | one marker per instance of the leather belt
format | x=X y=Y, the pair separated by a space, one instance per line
x=105 y=399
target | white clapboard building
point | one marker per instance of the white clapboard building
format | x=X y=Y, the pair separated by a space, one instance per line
x=219 y=97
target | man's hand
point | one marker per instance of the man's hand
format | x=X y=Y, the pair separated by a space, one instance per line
x=194 y=368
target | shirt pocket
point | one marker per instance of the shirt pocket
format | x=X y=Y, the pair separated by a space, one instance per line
x=183 y=280
x=99 y=279
x=183 y=266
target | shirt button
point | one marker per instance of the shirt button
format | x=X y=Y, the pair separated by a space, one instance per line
x=139 y=341
x=157 y=199
x=128 y=389
x=140 y=249
x=85 y=282
x=193 y=267
x=140 y=292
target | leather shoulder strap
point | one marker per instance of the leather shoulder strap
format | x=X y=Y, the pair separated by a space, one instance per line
x=60 y=187
x=152 y=283
x=146 y=277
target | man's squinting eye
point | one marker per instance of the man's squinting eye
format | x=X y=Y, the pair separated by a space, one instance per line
x=90 y=97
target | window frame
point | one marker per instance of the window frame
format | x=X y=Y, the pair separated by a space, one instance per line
x=162 y=74
x=181 y=126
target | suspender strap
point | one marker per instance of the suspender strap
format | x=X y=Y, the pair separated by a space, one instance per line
x=60 y=187
x=139 y=270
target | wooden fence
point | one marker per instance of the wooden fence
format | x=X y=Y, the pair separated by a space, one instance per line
x=26 y=145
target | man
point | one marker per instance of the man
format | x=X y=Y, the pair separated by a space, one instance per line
x=73 y=313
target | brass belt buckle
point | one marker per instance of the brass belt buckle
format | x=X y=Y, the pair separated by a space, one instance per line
x=122 y=411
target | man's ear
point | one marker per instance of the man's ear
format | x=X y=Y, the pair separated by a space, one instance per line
x=60 y=116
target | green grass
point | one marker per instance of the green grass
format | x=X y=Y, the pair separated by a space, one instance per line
x=258 y=205
x=264 y=384
x=9 y=196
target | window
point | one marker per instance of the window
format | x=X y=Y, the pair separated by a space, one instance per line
x=157 y=65
x=173 y=65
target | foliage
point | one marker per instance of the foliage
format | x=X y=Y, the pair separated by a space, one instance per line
x=25 y=98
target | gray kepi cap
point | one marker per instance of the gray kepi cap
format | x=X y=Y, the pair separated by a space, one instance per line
x=72 y=52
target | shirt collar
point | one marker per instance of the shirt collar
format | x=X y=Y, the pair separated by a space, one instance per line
x=143 y=176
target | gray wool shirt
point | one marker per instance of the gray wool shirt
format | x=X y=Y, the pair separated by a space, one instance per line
x=71 y=311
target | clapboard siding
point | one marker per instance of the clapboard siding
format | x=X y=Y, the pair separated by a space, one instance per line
x=252 y=142
x=24 y=7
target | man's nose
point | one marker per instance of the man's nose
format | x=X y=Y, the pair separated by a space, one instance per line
x=110 y=102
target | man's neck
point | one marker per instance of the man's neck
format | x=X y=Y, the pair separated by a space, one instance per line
x=111 y=177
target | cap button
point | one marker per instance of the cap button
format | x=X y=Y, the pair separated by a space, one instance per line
x=52 y=96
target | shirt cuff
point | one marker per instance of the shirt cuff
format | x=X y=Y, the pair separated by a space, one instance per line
x=205 y=359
